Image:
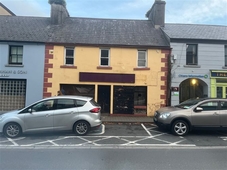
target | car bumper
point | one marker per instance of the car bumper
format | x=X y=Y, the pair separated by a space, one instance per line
x=96 y=124
x=161 y=124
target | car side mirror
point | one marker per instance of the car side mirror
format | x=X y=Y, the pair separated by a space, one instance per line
x=198 y=109
x=30 y=110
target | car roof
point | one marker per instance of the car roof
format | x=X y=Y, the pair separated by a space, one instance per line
x=69 y=97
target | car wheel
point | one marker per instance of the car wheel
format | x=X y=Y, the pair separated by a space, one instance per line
x=12 y=130
x=81 y=128
x=180 y=128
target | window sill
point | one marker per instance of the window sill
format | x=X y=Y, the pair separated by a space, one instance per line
x=192 y=66
x=224 y=67
x=12 y=65
x=140 y=107
x=142 y=68
x=67 y=66
x=104 y=67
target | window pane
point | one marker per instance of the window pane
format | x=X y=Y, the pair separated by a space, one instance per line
x=13 y=50
x=223 y=105
x=141 y=55
x=14 y=58
x=69 y=52
x=226 y=55
x=209 y=106
x=43 y=106
x=141 y=63
x=104 y=53
x=191 y=54
x=20 y=50
x=104 y=61
x=69 y=61
x=80 y=103
x=65 y=103
x=19 y=59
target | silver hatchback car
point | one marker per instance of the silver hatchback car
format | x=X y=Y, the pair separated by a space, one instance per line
x=193 y=114
x=77 y=113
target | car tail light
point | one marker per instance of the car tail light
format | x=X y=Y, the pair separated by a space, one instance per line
x=95 y=110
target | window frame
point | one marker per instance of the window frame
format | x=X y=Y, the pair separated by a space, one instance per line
x=225 y=55
x=71 y=57
x=100 y=59
x=17 y=55
x=145 y=51
x=194 y=63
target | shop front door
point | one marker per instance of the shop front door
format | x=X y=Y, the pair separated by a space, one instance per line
x=221 y=91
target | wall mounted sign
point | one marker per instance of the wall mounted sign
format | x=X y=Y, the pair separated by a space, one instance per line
x=8 y=73
x=174 y=88
x=218 y=74
x=205 y=76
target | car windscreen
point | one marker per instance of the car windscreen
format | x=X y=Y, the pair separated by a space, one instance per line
x=188 y=103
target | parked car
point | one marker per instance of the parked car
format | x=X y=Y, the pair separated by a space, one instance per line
x=76 y=113
x=192 y=114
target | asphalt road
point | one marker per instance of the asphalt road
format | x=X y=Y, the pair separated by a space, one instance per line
x=119 y=135
x=114 y=159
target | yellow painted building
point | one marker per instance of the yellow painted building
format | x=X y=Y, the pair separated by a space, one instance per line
x=81 y=70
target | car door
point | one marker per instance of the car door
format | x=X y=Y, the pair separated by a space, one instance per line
x=208 y=117
x=65 y=114
x=223 y=113
x=39 y=116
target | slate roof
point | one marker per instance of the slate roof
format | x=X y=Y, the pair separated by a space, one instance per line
x=196 y=31
x=89 y=31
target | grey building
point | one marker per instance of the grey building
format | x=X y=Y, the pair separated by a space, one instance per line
x=198 y=61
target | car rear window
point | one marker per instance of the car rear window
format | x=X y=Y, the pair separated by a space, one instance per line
x=80 y=103
x=93 y=102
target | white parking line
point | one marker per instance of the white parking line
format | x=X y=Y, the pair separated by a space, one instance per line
x=14 y=143
x=146 y=130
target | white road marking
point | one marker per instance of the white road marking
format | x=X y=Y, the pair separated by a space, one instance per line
x=53 y=143
x=146 y=130
x=14 y=143
x=102 y=132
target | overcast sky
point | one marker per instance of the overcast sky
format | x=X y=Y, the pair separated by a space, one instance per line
x=213 y=12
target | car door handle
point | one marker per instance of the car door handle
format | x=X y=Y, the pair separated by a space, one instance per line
x=47 y=115
x=215 y=113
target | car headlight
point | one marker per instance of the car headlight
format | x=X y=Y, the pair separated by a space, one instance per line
x=164 y=115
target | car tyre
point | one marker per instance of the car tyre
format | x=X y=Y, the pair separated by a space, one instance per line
x=180 y=128
x=12 y=130
x=81 y=128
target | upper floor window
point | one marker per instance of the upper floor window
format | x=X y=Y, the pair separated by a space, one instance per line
x=15 y=55
x=191 y=54
x=105 y=57
x=69 y=56
x=142 y=58
x=226 y=55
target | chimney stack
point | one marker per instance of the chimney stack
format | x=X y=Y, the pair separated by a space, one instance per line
x=58 y=14
x=157 y=13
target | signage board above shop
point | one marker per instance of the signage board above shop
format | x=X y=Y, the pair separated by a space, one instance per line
x=218 y=74
x=8 y=73
x=205 y=76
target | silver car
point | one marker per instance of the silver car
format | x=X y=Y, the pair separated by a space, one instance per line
x=193 y=114
x=76 y=113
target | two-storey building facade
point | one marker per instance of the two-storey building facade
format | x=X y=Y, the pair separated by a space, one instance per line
x=199 y=61
x=22 y=51
x=123 y=64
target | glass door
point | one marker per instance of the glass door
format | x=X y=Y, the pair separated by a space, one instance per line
x=221 y=92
